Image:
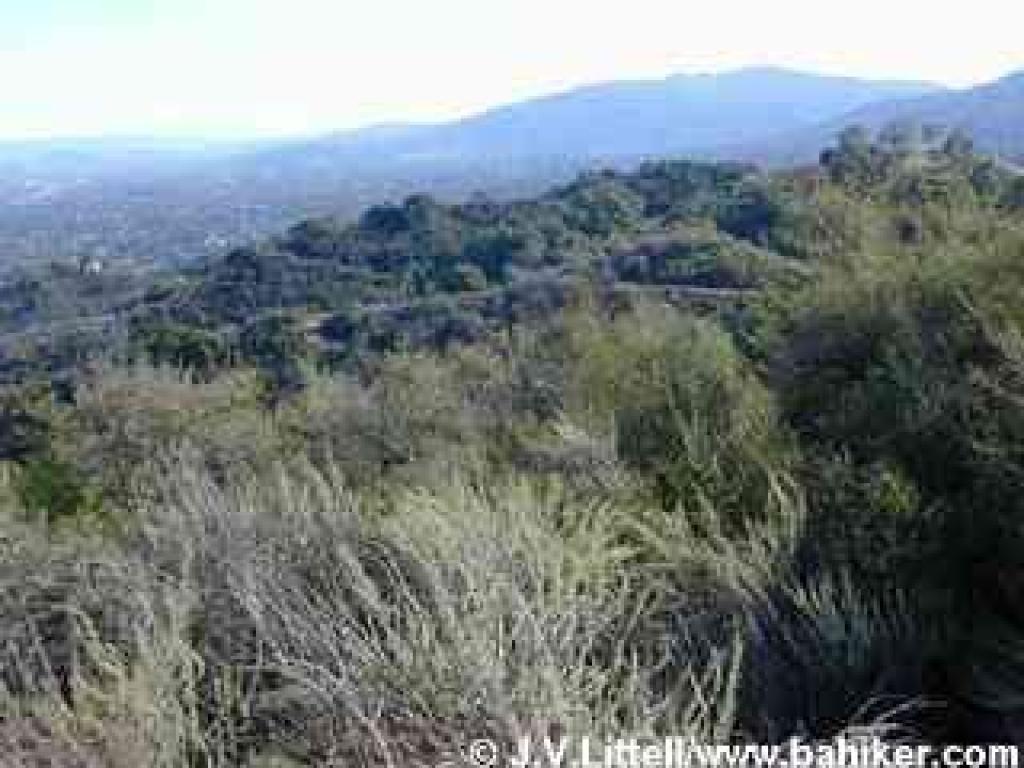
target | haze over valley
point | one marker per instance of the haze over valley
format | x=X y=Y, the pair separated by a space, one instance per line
x=174 y=200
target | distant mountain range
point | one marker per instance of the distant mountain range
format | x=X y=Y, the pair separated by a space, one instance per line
x=610 y=122
x=178 y=199
x=683 y=114
x=754 y=114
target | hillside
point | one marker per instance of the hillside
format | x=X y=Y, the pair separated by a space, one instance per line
x=155 y=201
x=695 y=450
x=682 y=114
x=428 y=273
x=167 y=201
x=991 y=114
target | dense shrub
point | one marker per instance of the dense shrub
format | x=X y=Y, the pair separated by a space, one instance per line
x=53 y=492
x=683 y=406
x=693 y=450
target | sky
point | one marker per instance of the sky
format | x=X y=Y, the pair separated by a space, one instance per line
x=258 y=68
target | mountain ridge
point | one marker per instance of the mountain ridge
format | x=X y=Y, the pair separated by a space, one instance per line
x=678 y=113
x=135 y=200
x=991 y=113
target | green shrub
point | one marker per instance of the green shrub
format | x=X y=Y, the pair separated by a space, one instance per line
x=184 y=347
x=55 y=492
x=684 y=407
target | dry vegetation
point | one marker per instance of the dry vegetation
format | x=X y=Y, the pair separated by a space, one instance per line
x=797 y=518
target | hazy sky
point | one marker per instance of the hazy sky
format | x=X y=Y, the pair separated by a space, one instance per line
x=265 y=67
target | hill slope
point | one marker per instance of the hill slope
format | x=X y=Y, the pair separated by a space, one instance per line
x=167 y=201
x=992 y=114
x=682 y=114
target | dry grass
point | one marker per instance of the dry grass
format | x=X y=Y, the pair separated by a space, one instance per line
x=288 y=615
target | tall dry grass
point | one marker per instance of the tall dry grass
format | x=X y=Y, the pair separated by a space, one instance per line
x=287 y=615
